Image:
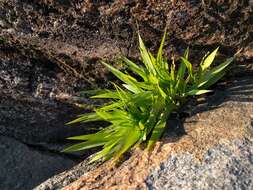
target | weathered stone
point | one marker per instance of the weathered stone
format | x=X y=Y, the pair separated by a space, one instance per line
x=63 y=179
x=226 y=166
x=214 y=153
x=74 y=34
x=49 y=50
x=33 y=108
x=24 y=167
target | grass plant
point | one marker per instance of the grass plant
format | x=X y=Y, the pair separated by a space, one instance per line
x=138 y=109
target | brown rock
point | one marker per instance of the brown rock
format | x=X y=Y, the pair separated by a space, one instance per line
x=226 y=117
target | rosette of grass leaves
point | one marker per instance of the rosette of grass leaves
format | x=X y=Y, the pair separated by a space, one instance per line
x=139 y=108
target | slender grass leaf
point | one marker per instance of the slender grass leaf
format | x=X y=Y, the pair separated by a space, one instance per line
x=83 y=146
x=208 y=60
x=101 y=135
x=212 y=80
x=136 y=69
x=188 y=65
x=112 y=106
x=109 y=94
x=186 y=53
x=94 y=92
x=159 y=57
x=210 y=75
x=86 y=118
x=123 y=77
x=197 y=92
x=107 y=150
x=129 y=140
x=132 y=88
x=163 y=94
x=158 y=130
x=145 y=57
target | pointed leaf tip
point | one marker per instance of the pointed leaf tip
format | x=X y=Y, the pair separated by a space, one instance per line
x=209 y=60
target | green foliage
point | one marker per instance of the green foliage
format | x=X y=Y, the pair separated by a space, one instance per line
x=139 y=109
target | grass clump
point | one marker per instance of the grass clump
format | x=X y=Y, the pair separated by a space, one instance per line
x=138 y=109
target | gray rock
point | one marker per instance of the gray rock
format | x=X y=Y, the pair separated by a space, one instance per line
x=65 y=178
x=28 y=112
x=49 y=51
x=223 y=167
x=36 y=100
x=214 y=152
x=24 y=167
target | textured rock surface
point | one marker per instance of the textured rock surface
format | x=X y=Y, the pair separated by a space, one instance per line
x=36 y=99
x=214 y=153
x=227 y=166
x=49 y=50
x=65 y=178
x=72 y=32
x=23 y=167
x=32 y=118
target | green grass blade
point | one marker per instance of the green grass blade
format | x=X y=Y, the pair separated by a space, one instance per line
x=186 y=53
x=159 y=57
x=132 y=88
x=123 y=95
x=112 y=106
x=84 y=146
x=222 y=66
x=86 y=118
x=208 y=60
x=97 y=136
x=145 y=57
x=213 y=79
x=93 y=92
x=108 y=94
x=136 y=69
x=128 y=141
x=107 y=150
x=122 y=76
x=163 y=94
x=197 y=92
x=156 y=66
x=210 y=77
x=188 y=65
x=157 y=131
x=181 y=73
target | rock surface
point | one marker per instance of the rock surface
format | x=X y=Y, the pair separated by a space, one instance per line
x=49 y=50
x=36 y=100
x=227 y=166
x=23 y=167
x=215 y=152
x=74 y=34
x=32 y=130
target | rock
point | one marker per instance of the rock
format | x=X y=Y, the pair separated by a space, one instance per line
x=63 y=179
x=36 y=100
x=33 y=113
x=24 y=167
x=215 y=151
x=50 y=50
x=33 y=108
x=74 y=34
x=227 y=166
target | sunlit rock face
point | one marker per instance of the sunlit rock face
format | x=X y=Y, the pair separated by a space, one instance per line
x=213 y=149
x=50 y=50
